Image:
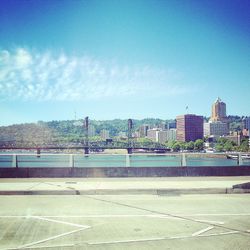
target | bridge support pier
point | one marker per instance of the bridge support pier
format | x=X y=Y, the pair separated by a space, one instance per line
x=129 y=150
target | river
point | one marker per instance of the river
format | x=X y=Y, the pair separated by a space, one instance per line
x=102 y=160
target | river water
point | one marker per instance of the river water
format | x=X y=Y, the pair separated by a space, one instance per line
x=101 y=160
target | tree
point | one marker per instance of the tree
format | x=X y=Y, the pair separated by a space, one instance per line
x=219 y=147
x=244 y=146
x=170 y=144
x=228 y=146
x=190 y=145
x=199 y=144
x=222 y=140
x=176 y=146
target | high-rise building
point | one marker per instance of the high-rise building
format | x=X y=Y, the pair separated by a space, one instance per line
x=215 y=128
x=219 y=111
x=189 y=127
x=246 y=123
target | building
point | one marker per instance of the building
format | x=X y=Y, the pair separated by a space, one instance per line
x=162 y=136
x=143 y=130
x=245 y=132
x=171 y=134
x=171 y=124
x=153 y=134
x=189 y=127
x=162 y=125
x=104 y=134
x=219 y=111
x=246 y=123
x=215 y=128
x=235 y=137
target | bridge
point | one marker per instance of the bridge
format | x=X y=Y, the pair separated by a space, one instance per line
x=86 y=145
x=87 y=149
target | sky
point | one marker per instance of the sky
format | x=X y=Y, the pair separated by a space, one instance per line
x=67 y=59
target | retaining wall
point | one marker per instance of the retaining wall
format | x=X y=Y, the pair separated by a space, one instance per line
x=124 y=172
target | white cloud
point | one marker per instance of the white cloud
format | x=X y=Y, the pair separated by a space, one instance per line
x=30 y=75
x=23 y=58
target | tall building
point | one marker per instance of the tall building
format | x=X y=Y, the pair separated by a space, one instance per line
x=189 y=127
x=219 y=111
x=246 y=123
x=246 y=126
x=215 y=128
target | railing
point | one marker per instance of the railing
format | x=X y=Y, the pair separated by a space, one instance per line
x=17 y=160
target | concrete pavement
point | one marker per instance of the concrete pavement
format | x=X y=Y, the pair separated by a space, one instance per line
x=151 y=214
x=178 y=185
x=147 y=222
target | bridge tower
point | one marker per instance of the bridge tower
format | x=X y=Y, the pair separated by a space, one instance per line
x=86 y=130
x=130 y=125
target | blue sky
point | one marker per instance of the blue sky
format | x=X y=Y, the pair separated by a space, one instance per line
x=122 y=59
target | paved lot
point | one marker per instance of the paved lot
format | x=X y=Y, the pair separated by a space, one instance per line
x=125 y=222
x=169 y=221
x=125 y=184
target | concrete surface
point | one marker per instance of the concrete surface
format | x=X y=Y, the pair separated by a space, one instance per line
x=125 y=222
x=150 y=219
x=182 y=185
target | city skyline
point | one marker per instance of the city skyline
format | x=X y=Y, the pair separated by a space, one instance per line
x=126 y=59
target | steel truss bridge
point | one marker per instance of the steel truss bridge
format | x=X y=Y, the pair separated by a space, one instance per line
x=87 y=149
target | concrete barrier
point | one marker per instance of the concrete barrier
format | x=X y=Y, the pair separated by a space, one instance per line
x=124 y=172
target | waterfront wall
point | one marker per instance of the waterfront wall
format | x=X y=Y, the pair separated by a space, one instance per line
x=124 y=172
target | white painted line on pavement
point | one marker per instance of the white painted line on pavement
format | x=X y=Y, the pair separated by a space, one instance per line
x=125 y=215
x=57 y=221
x=217 y=234
x=202 y=231
x=124 y=241
x=211 y=221
x=189 y=215
x=163 y=238
x=93 y=216
x=48 y=239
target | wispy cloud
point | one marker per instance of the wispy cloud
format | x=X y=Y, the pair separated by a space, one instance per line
x=31 y=75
